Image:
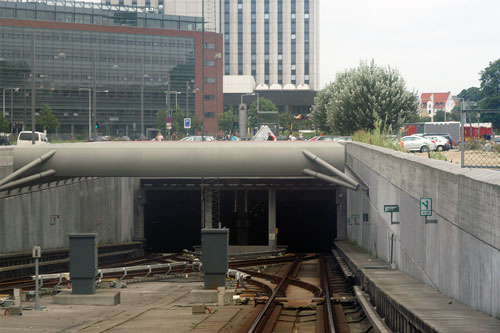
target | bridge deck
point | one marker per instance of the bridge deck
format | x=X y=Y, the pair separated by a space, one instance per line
x=394 y=291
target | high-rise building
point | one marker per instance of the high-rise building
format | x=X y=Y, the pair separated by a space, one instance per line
x=275 y=42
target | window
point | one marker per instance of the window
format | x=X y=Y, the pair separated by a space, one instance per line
x=209 y=80
x=209 y=114
x=209 y=97
x=209 y=63
x=210 y=45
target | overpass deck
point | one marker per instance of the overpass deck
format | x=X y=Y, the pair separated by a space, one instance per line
x=407 y=304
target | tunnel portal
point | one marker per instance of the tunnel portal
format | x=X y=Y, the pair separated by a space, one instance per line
x=301 y=216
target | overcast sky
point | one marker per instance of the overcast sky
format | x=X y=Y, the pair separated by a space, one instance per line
x=437 y=45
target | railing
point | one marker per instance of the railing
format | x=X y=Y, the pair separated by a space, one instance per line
x=125 y=270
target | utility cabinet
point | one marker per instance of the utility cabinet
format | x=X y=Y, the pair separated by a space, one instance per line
x=214 y=247
x=83 y=262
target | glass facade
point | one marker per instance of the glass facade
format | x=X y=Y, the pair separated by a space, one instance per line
x=97 y=13
x=125 y=64
x=294 y=41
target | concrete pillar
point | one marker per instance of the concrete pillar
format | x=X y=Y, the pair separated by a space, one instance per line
x=273 y=237
x=207 y=209
x=341 y=202
x=139 y=201
x=72 y=130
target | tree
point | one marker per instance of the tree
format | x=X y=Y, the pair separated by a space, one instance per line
x=490 y=86
x=490 y=93
x=361 y=96
x=439 y=116
x=321 y=102
x=264 y=105
x=472 y=94
x=286 y=120
x=4 y=124
x=226 y=121
x=161 y=119
x=48 y=120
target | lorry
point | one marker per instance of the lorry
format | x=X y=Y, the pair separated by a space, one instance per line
x=438 y=127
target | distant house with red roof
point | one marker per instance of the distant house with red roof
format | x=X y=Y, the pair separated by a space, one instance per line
x=430 y=103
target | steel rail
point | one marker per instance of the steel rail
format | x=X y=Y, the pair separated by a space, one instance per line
x=326 y=290
x=271 y=299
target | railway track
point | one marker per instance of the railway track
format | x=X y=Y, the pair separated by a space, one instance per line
x=26 y=283
x=310 y=294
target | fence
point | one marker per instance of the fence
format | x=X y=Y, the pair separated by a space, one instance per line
x=480 y=148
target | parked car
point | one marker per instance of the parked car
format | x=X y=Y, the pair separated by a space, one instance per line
x=417 y=143
x=198 y=138
x=445 y=135
x=442 y=143
x=4 y=139
x=25 y=138
x=496 y=139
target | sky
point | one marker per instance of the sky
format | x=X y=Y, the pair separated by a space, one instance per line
x=437 y=45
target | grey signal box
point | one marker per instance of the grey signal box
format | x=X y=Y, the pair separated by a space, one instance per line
x=214 y=246
x=83 y=263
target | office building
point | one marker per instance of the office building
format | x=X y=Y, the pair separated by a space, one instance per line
x=275 y=42
x=131 y=60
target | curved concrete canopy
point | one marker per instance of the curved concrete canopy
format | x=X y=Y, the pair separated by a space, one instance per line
x=182 y=159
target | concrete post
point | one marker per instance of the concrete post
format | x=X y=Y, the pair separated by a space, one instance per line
x=139 y=201
x=207 y=207
x=273 y=237
x=341 y=199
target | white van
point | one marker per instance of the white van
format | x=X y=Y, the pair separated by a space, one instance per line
x=25 y=138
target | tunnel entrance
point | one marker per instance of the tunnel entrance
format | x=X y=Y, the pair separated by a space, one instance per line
x=172 y=220
x=245 y=214
x=306 y=220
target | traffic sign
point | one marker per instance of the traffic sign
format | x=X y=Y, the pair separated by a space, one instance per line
x=169 y=126
x=169 y=119
x=242 y=107
x=391 y=208
x=425 y=206
x=187 y=122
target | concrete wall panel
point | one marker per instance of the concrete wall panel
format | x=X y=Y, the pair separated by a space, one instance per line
x=460 y=255
x=102 y=205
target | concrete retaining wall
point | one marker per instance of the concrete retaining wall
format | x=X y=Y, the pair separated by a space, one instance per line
x=460 y=255
x=102 y=205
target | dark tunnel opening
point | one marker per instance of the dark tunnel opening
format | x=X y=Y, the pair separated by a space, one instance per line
x=172 y=220
x=245 y=214
x=306 y=220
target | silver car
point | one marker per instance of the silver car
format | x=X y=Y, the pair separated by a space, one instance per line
x=417 y=143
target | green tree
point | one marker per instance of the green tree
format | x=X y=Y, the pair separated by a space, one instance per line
x=286 y=120
x=48 y=120
x=471 y=94
x=439 y=116
x=264 y=105
x=321 y=102
x=226 y=121
x=490 y=93
x=359 y=97
x=4 y=124
x=161 y=119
